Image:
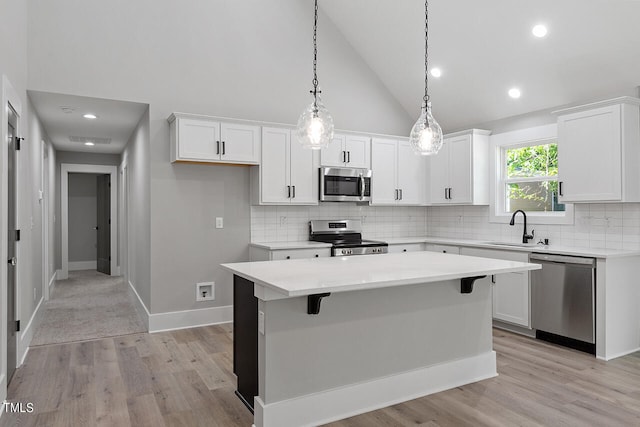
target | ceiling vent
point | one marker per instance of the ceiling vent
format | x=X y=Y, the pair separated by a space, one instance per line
x=67 y=110
x=95 y=140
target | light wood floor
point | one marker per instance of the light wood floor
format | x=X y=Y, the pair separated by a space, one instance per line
x=184 y=378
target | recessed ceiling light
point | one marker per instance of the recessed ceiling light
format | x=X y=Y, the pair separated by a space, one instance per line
x=90 y=116
x=514 y=93
x=89 y=143
x=539 y=30
x=436 y=72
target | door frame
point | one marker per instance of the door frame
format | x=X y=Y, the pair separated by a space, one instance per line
x=44 y=205
x=65 y=170
x=9 y=97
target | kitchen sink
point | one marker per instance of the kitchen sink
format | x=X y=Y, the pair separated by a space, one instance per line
x=520 y=245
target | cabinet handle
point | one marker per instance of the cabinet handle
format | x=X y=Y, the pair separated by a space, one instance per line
x=404 y=250
x=560 y=188
x=288 y=191
x=401 y=194
x=493 y=279
x=223 y=148
x=450 y=197
x=348 y=156
x=344 y=157
x=446 y=193
x=288 y=257
x=217 y=147
x=317 y=256
x=396 y=198
x=444 y=252
x=294 y=192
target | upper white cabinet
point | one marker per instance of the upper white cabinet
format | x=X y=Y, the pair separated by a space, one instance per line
x=460 y=171
x=352 y=151
x=599 y=152
x=288 y=173
x=398 y=173
x=204 y=139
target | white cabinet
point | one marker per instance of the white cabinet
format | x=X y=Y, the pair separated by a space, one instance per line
x=446 y=249
x=406 y=247
x=511 y=294
x=288 y=173
x=352 y=151
x=263 y=254
x=398 y=173
x=599 y=152
x=204 y=139
x=460 y=171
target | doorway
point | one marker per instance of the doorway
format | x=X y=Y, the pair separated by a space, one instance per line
x=103 y=224
x=12 y=331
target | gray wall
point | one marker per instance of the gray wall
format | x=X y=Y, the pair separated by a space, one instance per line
x=249 y=59
x=83 y=208
x=81 y=159
x=136 y=253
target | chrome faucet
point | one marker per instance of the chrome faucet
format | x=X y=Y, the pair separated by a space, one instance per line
x=525 y=237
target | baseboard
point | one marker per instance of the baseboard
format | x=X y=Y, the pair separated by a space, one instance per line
x=616 y=355
x=61 y=275
x=173 y=320
x=140 y=307
x=27 y=334
x=52 y=283
x=336 y=404
x=83 y=265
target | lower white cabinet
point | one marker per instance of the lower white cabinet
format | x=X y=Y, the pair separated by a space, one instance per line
x=511 y=291
x=408 y=247
x=447 y=249
x=263 y=254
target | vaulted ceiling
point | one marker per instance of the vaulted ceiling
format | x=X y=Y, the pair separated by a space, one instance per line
x=591 y=52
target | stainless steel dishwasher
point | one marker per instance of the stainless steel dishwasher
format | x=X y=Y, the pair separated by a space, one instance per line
x=563 y=300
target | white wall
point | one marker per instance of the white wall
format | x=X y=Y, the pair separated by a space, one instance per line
x=83 y=208
x=249 y=59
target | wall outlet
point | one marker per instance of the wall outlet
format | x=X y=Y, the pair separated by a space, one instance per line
x=219 y=222
x=205 y=291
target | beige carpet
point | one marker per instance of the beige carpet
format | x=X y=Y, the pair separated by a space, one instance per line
x=88 y=305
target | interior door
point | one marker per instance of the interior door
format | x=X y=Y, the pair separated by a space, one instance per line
x=104 y=223
x=11 y=245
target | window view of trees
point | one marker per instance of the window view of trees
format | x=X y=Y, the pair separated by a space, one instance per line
x=531 y=178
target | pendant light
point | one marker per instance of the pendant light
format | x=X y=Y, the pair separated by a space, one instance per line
x=426 y=134
x=315 y=125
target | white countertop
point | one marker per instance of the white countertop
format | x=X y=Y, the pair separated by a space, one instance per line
x=278 y=246
x=551 y=249
x=340 y=274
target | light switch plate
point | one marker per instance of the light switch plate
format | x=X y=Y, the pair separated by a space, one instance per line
x=261 y=322
x=219 y=222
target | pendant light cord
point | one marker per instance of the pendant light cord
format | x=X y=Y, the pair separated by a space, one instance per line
x=426 y=52
x=315 y=59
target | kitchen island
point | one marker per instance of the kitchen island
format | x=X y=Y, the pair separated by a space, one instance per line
x=317 y=340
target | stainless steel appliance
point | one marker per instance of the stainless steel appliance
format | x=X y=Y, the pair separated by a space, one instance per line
x=563 y=300
x=345 y=237
x=345 y=185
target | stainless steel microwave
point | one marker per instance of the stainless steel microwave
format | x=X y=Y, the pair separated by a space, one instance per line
x=345 y=185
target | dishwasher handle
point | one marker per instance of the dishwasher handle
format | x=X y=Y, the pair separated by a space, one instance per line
x=562 y=259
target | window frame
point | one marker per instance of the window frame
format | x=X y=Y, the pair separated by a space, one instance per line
x=499 y=143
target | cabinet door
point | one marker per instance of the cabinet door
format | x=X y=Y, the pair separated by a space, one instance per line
x=460 y=169
x=300 y=254
x=304 y=175
x=384 y=161
x=589 y=155
x=409 y=247
x=439 y=179
x=274 y=168
x=411 y=175
x=334 y=154
x=240 y=143
x=358 y=149
x=198 y=140
x=446 y=249
x=511 y=298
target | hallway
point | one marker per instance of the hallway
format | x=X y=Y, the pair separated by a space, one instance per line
x=87 y=306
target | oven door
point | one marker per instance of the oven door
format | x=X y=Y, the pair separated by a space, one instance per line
x=345 y=185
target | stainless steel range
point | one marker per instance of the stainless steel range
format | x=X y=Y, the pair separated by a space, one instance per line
x=345 y=237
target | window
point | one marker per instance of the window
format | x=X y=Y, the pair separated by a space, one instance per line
x=524 y=169
x=531 y=177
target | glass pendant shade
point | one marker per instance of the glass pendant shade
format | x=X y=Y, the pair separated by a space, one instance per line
x=426 y=134
x=315 y=126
